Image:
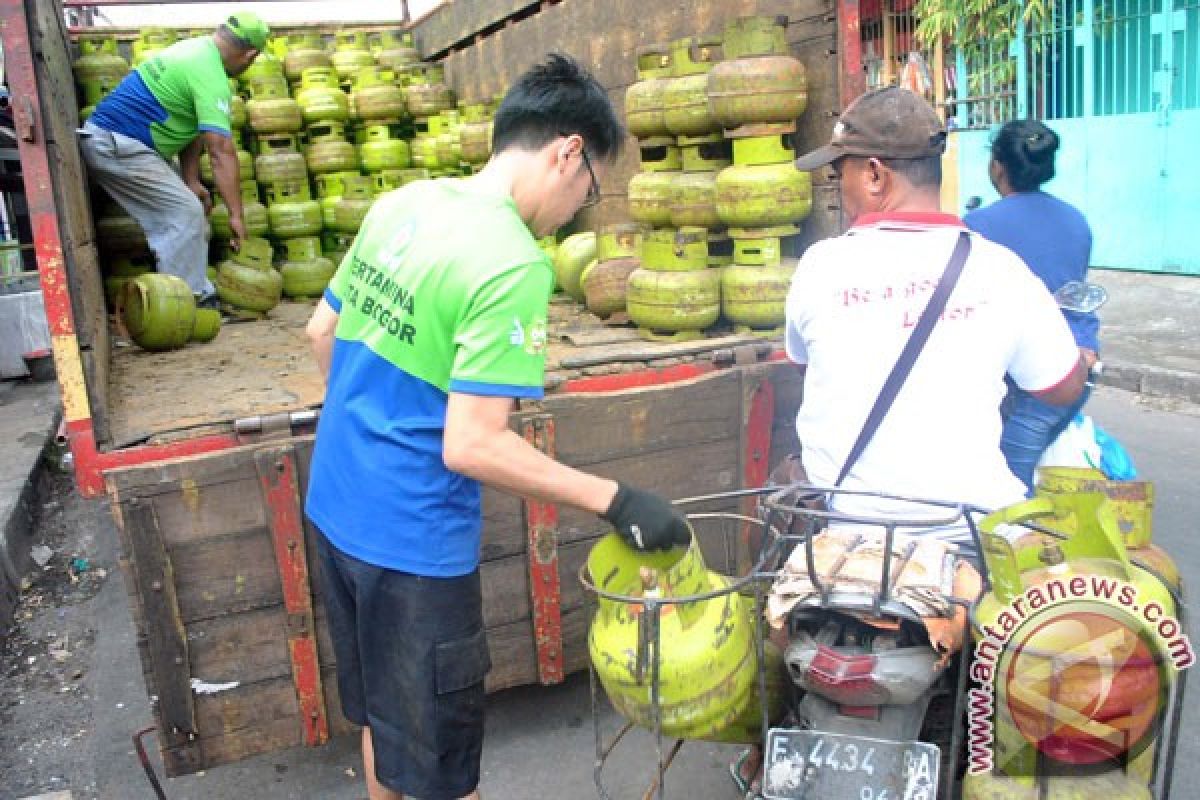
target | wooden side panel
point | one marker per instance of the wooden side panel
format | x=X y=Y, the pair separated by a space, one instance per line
x=605 y=37
x=59 y=120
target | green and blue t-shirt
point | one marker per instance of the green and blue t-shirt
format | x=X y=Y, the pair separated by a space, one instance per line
x=177 y=92
x=444 y=290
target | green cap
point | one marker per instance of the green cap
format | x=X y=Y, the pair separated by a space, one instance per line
x=250 y=28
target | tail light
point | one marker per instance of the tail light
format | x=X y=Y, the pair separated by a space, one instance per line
x=845 y=679
x=849 y=677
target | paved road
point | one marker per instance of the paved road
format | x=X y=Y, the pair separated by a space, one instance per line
x=540 y=742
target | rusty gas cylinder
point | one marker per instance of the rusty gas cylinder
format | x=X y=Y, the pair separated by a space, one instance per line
x=760 y=82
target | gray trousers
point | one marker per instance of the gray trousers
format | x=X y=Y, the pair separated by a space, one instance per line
x=152 y=192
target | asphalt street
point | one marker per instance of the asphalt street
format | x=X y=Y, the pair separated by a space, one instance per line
x=540 y=740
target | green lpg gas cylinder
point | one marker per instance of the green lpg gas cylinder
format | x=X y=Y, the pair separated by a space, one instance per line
x=207 y=325
x=685 y=96
x=1133 y=504
x=265 y=67
x=291 y=211
x=645 y=113
x=328 y=149
x=1026 y=662
x=448 y=144
x=763 y=187
x=159 y=311
x=382 y=148
x=475 y=134
x=304 y=51
x=604 y=285
x=248 y=281
x=425 y=90
x=348 y=210
x=754 y=295
x=151 y=40
x=117 y=272
x=305 y=271
x=388 y=180
x=279 y=160
x=254 y=214
x=672 y=303
x=675 y=249
x=99 y=68
x=320 y=97
x=117 y=233
x=376 y=97
x=350 y=54
x=395 y=49
x=621 y=240
x=707 y=661
x=270 y=109
x=651 y=190
x=573 y=255
x=759 y=82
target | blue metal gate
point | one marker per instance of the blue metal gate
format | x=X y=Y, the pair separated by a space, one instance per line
x=1119 y=80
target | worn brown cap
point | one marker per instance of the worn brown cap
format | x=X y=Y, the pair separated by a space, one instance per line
x=883 y=123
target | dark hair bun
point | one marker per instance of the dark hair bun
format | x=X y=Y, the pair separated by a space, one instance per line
x=1026 y=148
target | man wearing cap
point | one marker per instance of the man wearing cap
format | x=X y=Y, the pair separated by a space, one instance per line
x=176 y=104
x=854 y=302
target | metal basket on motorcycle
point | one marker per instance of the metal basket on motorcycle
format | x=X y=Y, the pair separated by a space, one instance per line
x=1080 y=648
x=675 y=645
x=871 y=593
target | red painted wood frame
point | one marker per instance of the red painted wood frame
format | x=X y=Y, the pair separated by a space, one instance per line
x=541 y=523
x=281 y=492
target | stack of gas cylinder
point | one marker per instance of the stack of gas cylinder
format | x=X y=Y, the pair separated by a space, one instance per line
x=717 y=190
x=755 y=95
x=320 y=130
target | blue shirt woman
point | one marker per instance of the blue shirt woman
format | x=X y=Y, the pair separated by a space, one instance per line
x=1054 y=239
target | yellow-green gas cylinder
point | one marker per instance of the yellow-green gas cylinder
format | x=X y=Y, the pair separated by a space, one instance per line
x=271 y=108
x=320 y=96
x=291 y=211
x=254 y=214
x=248 y=281
x=245 y=163
x=350 y=54
x=644 y=109
x=673 y=306
x=380 y=147
x=425 y=89
x=159 y=311
x=707 y=661
x=305 y=50
x=475 y=134
x=685 y=96
x=305 y=271
x=345 y=213
x=376 y=97
x=1077 y=673
x=328 y=149
x=150 y=40
x=754 y=295
x=652 y=190
x=98 y=67
x=763 y=187
x=1133 y=505
x=759 y=82
x=279 y=160
x=395 y=49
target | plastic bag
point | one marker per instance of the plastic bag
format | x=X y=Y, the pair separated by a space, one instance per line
x=1085 y=444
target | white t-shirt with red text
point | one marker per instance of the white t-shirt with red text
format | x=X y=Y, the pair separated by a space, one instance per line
x=853 y=303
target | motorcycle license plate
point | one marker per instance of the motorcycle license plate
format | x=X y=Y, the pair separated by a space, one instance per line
x=813 y=765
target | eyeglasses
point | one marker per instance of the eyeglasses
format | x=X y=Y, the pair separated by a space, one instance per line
x=593 y=195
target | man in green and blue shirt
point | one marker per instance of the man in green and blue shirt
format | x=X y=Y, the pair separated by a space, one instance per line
x=434 y=323
x=176 y=104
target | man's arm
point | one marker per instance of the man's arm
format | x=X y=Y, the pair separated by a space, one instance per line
x=1069 y=389
x=226 y=176
x=320 y=330
x=479 y=444
x=189 y=170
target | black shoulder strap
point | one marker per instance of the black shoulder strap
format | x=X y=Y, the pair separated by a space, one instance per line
x=912 y=349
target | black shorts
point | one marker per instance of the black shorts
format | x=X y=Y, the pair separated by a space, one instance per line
x=411 y=658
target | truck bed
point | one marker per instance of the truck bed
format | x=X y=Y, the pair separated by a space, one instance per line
x=265 y=367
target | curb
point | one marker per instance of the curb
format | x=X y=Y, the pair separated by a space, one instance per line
x=18 y=501
x=1152 y=381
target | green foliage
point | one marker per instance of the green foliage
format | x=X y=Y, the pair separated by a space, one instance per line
x=983 y=30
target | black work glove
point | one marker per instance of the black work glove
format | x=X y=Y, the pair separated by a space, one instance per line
x=647 y=521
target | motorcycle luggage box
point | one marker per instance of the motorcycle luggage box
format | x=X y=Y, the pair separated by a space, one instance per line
x=809 y=764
